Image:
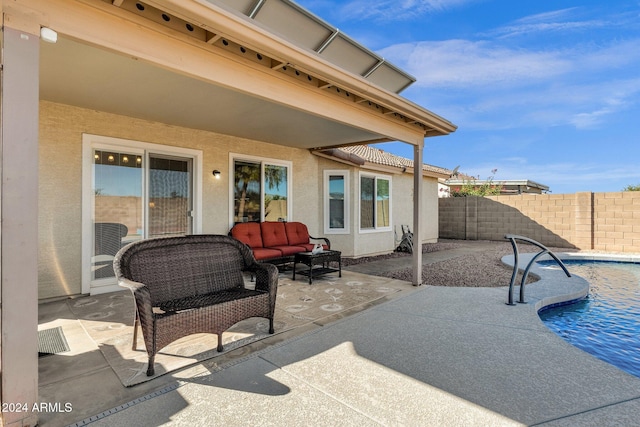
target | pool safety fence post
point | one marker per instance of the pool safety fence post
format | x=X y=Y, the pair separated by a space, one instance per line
x=544 y=250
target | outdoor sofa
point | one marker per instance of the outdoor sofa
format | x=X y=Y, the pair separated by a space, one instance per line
x=276 y=242
x=193 y=284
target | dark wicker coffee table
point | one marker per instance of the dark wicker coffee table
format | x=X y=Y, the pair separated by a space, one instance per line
x=322 y=259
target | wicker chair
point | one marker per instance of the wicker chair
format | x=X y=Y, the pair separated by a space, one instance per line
x=193 y=284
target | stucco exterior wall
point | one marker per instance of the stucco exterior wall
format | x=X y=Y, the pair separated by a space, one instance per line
x=403 y=202
x=60 y=189
x=357 y=244
x=587 y=221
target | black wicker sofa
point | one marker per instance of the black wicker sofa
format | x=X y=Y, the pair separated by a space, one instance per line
x=193 y=284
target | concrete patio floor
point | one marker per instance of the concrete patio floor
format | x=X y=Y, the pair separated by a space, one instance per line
x=423 y=356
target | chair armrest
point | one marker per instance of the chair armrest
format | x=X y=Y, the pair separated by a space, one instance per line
x=322 y=238
x=142 y=297
x=266 y=276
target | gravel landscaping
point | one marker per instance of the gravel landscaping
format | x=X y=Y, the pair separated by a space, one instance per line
x=475 y=269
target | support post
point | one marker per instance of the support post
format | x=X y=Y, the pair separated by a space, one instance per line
x=417 y=215
x=19 y=213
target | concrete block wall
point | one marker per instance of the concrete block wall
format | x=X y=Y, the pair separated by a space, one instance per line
x=585 y=220
x=616 y=223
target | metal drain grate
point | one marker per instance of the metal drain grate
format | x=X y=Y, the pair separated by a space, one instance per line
x=52 y=341
x=134 y=402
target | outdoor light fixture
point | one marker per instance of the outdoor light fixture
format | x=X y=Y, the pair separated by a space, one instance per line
x=48 y=35
x=216 y=173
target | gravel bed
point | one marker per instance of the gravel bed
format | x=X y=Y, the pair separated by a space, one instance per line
x=475 y=269
x=426 y=248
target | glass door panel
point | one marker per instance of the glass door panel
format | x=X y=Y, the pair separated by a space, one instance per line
x=170 y=198
x=246 y=189
x=275 y=194
x=367 y=203
x=117 y=207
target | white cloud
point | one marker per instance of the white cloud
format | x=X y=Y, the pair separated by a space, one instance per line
x=385 y=10
x=464 y=63
x=563 y=20
x=487 y=84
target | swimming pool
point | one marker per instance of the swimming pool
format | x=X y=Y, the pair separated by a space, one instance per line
x=606 y=323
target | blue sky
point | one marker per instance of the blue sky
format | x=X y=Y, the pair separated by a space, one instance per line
x=542 y=90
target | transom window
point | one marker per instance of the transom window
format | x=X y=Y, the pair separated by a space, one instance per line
x=134 y=190
x=260 y=189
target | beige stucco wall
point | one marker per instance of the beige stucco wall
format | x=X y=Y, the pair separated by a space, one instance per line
x=60 y=189
x=403 y=202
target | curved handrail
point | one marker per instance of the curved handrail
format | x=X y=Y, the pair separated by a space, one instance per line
x=512 y=238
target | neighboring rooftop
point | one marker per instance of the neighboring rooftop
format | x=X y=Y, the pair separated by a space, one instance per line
x=509 y=186
x=363 y=154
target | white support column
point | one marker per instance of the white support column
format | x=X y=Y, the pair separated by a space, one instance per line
x=417 y=213
x=19 y=229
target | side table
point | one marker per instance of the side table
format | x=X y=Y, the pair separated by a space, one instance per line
x=321 y=258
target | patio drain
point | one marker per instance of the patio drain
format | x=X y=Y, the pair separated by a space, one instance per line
x=52 y=341
x=127 y=405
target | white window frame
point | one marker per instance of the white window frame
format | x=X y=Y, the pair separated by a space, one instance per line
x=375 y=228
x=261 y=160
x=347 y=201
x=91 y=142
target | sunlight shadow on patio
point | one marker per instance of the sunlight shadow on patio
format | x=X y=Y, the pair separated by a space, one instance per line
x=99 y=331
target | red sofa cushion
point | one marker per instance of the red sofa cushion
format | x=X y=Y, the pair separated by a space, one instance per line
x=249 y=234
x=273 y=234
x=289 y=250
x=266 y=253
x=297 y=233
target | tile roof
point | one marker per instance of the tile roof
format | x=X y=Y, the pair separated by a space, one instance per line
x=381 y=157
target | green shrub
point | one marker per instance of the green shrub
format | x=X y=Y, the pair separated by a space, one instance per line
x=471 y=188
x=632 y=188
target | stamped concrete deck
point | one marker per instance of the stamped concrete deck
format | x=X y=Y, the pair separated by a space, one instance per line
x=439 y=356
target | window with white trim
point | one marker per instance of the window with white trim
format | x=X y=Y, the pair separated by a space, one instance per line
x=336 y=202
x=261 y=189
x=375 y=202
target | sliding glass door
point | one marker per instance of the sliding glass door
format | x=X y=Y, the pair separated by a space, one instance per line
x=135 y=193
x=170 y=199
x=118 y=206
x=261 y=190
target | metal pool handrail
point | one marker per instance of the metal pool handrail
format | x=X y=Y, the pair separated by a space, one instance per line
x=512 y=238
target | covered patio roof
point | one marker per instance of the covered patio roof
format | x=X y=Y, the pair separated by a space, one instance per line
x=222 y=71
x=142 y=90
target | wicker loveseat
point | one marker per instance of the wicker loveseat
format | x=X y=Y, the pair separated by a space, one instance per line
x=193 y=284
x=276 y=242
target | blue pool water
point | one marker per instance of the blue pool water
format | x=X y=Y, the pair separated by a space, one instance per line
x=606 y=324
